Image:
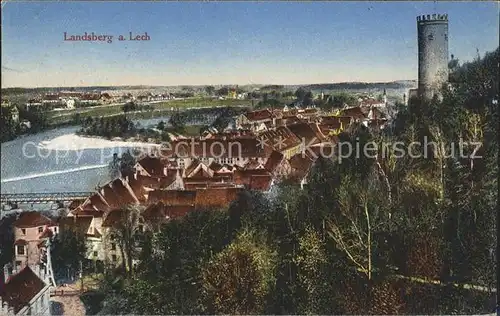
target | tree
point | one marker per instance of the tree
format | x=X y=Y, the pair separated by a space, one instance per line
x=8 y=126
x=126 y=233
x=129 y=107
x=68 y=251
x=209 y=90
x=360 y=216
x=178 y=122
x=224 y=91
x=238 y=280
x=161 y=125
x=7 y=239
x=300 y=94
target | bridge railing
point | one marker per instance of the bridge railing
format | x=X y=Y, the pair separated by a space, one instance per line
x=43 y=197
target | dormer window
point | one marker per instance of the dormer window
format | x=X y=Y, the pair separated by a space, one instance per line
x=40 y=229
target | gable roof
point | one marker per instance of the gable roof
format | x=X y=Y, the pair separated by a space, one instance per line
x=356 y=112
x=153 y=165
x=259 y=115
x=215 y=197
x=32 y=219
x=172 y=197
x=273 y=161
x=21 y=288
x=307 y=131
x=217 y=148
x=280 y=138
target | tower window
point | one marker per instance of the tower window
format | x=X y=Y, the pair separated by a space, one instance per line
x=430 y=37
x=445 y=37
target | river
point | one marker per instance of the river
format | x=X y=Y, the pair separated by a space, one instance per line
x=60 y=161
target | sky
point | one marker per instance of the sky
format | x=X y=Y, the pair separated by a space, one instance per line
x=199 y=43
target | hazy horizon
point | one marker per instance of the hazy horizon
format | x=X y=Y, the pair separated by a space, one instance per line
x=229 y=43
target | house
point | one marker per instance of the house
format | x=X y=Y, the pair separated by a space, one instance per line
x=308 y=133
x=357 y=113
x=234 y=151
x=277 y=165
x=25 y=292
x=281 y=139
x=90 y=227
x=254 y=179
x=14 y=111
x=91 y=98
x=254 y=120
x=31 y=230
x=33 y=102
x=300 y=167
x=106 y=98
x=51 y=98
x=334 y=125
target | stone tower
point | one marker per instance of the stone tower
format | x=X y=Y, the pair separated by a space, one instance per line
x=432 y=33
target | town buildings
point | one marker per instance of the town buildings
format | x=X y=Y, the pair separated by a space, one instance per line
x=31 y=232
x=206 y=172
x=25 y=291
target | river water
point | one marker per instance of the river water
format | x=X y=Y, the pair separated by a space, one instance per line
x=59 y=161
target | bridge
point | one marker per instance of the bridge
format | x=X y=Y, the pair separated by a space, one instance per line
x=37 y=198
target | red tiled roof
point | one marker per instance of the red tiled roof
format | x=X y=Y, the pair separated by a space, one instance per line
x=20 y=242
x=51 y=97
x=244 y=177
x=308 y=132
x=153 y=165
x=260 y=182
x=334 y=121
x=237 y=147
x=259 y=115
x=202 y=183
x=122 y=193
x=90 y=97
x=215 y=197
x=137 y=187
x=47 y=233
x=32 y=219
x=370 y=102
x=172 y=197
x=280 y=137
x=356 y=113
x=75 y=203
x=110 y=197
x=215 y=166
x=300 y=166
x=112 y=218
x=273 y=161
x=21 y=288
x=252 y=163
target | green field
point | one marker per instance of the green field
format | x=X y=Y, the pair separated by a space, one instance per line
x=160 y=109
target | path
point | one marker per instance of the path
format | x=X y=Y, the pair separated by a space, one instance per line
x=67 y=300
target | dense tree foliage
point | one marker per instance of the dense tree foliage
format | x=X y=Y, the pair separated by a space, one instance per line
x=68 y=253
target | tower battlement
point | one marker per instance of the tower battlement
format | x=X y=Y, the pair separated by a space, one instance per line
x=432 y=17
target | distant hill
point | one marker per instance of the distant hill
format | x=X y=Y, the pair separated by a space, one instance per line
x=394 y=85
